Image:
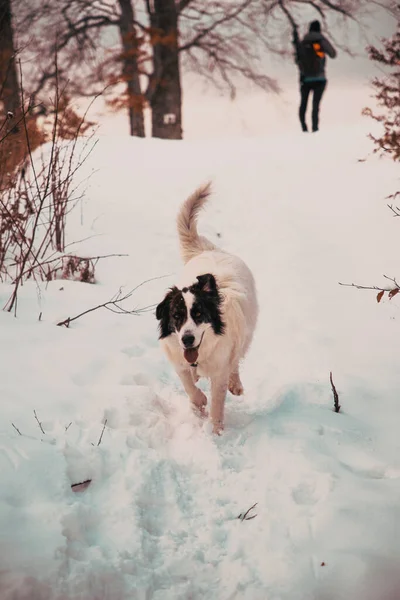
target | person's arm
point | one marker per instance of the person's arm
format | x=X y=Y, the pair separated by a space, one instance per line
x=328 y=48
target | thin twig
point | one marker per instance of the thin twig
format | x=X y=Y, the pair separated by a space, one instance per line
x=395 y=210
x=83 y=239
x=114 y=302
x=58 y=258
x=374 y=287
x=245 y=517
x=335 y=395
x=365 y=287
x=16 y=428
x=66 y=322
x=392 y=291
x=39 y=423
x=101 y=437
x=12 y=302
x=85 y=483
x=68 y=426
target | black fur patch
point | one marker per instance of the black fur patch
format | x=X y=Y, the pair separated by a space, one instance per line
x=171 y=312
x=178 y=314
x=206 y=308
x=207 y=305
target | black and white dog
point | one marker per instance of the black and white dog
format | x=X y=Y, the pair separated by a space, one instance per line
x=207 y=322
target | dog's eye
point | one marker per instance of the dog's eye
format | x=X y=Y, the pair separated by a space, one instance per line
x=197 y=314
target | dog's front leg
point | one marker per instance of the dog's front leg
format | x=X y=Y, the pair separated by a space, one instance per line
x=195 y=376
x=219 y=387
x=196 y=396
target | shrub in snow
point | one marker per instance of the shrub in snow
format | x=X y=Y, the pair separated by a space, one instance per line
x=38 y=190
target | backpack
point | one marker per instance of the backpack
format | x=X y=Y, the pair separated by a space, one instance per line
x=310 y=58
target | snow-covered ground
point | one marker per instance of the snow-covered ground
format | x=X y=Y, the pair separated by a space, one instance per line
x=160 y=519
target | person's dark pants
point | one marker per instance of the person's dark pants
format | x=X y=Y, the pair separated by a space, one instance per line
x=318 y=88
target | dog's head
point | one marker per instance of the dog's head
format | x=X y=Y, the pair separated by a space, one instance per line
x=190 y=311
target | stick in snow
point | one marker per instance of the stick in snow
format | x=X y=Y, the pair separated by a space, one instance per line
x=245 y=517
x=16 y=428
x=80 y=487
x=101 y=436
x=39 y=423
x=335 y=395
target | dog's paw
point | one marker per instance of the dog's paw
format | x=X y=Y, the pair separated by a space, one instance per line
x=236 y=389
x=200 y=411
x=235 y=385
x=218 y=428
x=199 y=400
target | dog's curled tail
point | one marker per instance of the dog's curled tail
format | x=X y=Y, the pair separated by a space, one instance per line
x=191 y=242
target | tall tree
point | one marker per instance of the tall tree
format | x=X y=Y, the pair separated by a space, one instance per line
x=130 y=67
x=164 y=90
x=82 y=32
x=10 y=94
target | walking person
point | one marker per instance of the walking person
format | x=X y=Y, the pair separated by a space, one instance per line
x=311 y=58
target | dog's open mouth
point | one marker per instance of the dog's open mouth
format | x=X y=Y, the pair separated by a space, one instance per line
x=191 y=354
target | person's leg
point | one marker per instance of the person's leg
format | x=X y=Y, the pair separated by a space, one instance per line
x=304 y=93
x=319 y=88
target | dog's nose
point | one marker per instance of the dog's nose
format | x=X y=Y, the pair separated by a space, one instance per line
x=188 y=340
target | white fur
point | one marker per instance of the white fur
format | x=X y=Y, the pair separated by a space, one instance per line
x=190 y=326
x=219 y=355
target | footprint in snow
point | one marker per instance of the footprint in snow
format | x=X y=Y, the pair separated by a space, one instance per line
x=304 y=494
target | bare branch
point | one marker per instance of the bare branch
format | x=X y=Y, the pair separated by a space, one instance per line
x=78 y=30
x=113 y=305
x=338 y=8
x=224 y=19
x=365 y=287
x=289 y=16
x=12 y=303
x=375 y=287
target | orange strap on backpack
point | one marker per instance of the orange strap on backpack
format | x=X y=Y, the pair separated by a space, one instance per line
x=318 y=50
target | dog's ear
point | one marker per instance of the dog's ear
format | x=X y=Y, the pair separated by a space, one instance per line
x=212 y=300
x=163 y=307
x=207 y=283
x=163 y=314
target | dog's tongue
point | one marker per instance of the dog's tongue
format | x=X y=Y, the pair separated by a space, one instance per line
x=191 y=355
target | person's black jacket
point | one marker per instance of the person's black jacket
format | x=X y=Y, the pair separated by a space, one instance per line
x=316 y=36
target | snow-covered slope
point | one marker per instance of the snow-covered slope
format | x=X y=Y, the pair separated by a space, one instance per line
x=160 y=519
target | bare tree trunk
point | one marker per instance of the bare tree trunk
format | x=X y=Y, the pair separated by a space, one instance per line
x=10 y=94
x=130 y=68
x=165 y=85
